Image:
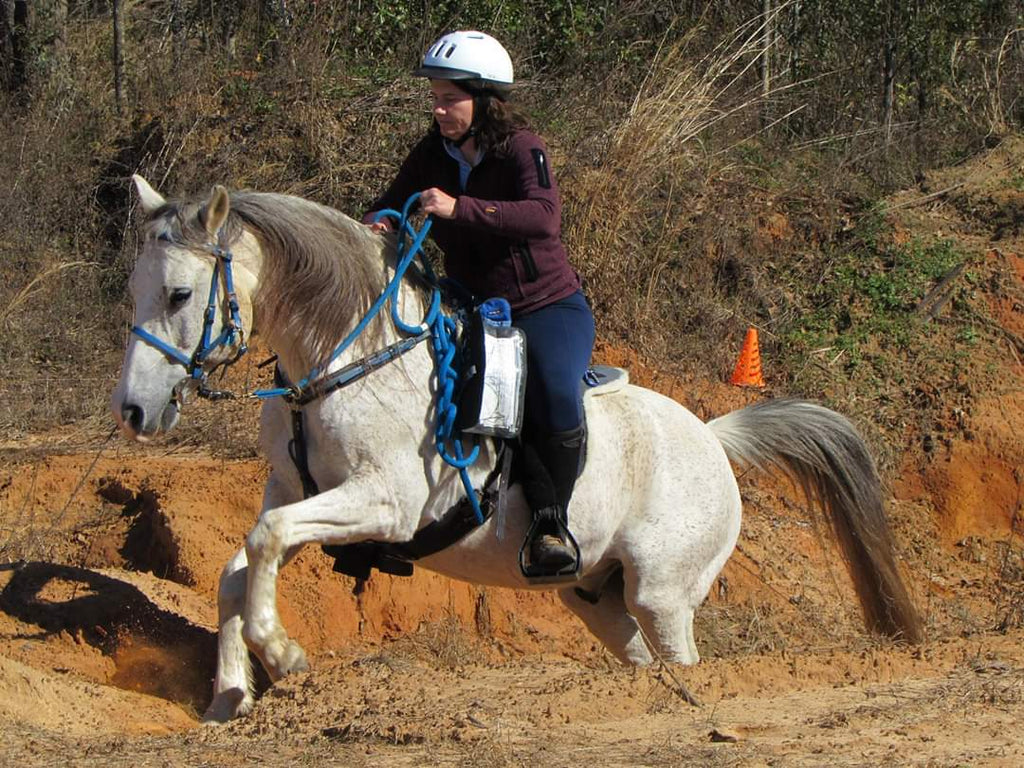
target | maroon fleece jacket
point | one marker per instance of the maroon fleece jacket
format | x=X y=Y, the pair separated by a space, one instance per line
x=505 y=238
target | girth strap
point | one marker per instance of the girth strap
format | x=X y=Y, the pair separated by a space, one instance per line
x=396 y=558
x=359 y=559
x=300 y=456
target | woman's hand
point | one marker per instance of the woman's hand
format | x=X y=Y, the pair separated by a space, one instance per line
x=434 y=201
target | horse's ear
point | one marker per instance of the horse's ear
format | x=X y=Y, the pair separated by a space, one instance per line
x=217 y=208
x=149 y=198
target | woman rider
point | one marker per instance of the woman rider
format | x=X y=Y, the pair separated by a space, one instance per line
x=486 y=180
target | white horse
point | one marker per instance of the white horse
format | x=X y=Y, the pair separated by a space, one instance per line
x=656 y=511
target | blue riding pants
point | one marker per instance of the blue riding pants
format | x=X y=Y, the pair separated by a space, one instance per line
x=559 y=341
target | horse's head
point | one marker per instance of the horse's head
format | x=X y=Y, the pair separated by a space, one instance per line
x=185 y=265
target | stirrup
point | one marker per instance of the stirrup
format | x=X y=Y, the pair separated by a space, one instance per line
x=536 y=574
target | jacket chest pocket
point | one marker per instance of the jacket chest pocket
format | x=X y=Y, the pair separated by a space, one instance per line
x=524 y=259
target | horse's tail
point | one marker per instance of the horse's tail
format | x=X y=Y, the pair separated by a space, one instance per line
x=822 y=453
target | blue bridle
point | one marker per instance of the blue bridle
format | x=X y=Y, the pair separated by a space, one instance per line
x=232 y=333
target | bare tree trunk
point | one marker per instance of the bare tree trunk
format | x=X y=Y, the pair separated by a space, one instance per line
x=888 y=88
x=275 y=18
x=889 y=68
x=766 y=58
x=796 y=33
x=115 y=12
x=230 y=19
x=19 y=44
x=219 y=23
x=177 y=27
x=60 y=35
x=918 y=68
x=6 y=43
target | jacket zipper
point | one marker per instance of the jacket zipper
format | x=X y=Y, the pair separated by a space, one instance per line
x=522 y=251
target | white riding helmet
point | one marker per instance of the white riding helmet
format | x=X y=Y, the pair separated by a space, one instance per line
x=468 y=55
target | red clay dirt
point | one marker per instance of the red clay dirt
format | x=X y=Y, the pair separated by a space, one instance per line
x=107 y=616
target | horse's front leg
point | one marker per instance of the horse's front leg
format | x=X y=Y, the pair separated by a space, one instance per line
x=360 y=508
x=232 y=686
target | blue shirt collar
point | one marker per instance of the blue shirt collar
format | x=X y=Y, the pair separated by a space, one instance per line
x=464 y=165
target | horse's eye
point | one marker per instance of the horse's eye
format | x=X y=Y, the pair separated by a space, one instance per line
x=179 y=296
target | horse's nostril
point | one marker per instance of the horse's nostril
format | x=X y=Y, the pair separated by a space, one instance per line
x=132 y=416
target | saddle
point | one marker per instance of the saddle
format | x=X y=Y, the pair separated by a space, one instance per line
x=397 y=558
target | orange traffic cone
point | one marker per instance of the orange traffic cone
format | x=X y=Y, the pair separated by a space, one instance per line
x=748 y=367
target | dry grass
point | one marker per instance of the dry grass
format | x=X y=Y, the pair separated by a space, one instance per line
x=38 y=524
x=445 y=644
x=1010 y=583
x=646 y=220
x=755 y=628
x=32 y=287
x=982 y=682
x=666 y=193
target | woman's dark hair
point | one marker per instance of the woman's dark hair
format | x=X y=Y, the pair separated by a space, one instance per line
x=494 y=119
x=499 y=121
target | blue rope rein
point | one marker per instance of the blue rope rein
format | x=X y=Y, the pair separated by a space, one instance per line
x=442 y=330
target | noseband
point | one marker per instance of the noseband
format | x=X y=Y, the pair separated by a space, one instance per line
x=232 y=334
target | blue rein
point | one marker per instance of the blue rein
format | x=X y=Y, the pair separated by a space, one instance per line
x=407 y=252
x=435 y=325
x=440 y=329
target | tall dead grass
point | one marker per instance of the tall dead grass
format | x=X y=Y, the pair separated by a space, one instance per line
x=637 y=217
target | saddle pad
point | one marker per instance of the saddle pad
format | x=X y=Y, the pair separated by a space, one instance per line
x=604 y=380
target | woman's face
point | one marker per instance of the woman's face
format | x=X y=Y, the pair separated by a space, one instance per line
x=453 y=108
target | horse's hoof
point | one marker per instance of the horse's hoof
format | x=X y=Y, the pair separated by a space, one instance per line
x=227 y=706
x=293 y=660
x=289 y=660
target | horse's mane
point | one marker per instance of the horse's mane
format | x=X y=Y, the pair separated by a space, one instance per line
x=320 y=269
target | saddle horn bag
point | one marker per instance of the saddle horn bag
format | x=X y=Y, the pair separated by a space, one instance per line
x=494 y=373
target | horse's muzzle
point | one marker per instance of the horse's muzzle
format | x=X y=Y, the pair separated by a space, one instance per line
x=137 y=424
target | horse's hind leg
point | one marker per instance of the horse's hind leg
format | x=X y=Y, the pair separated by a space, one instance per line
x=672 y=564
x=669 y=628
x=232 y=687
x=604 y=612
x=663 y=599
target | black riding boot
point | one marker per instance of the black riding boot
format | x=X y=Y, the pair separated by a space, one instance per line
x=552 y=466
